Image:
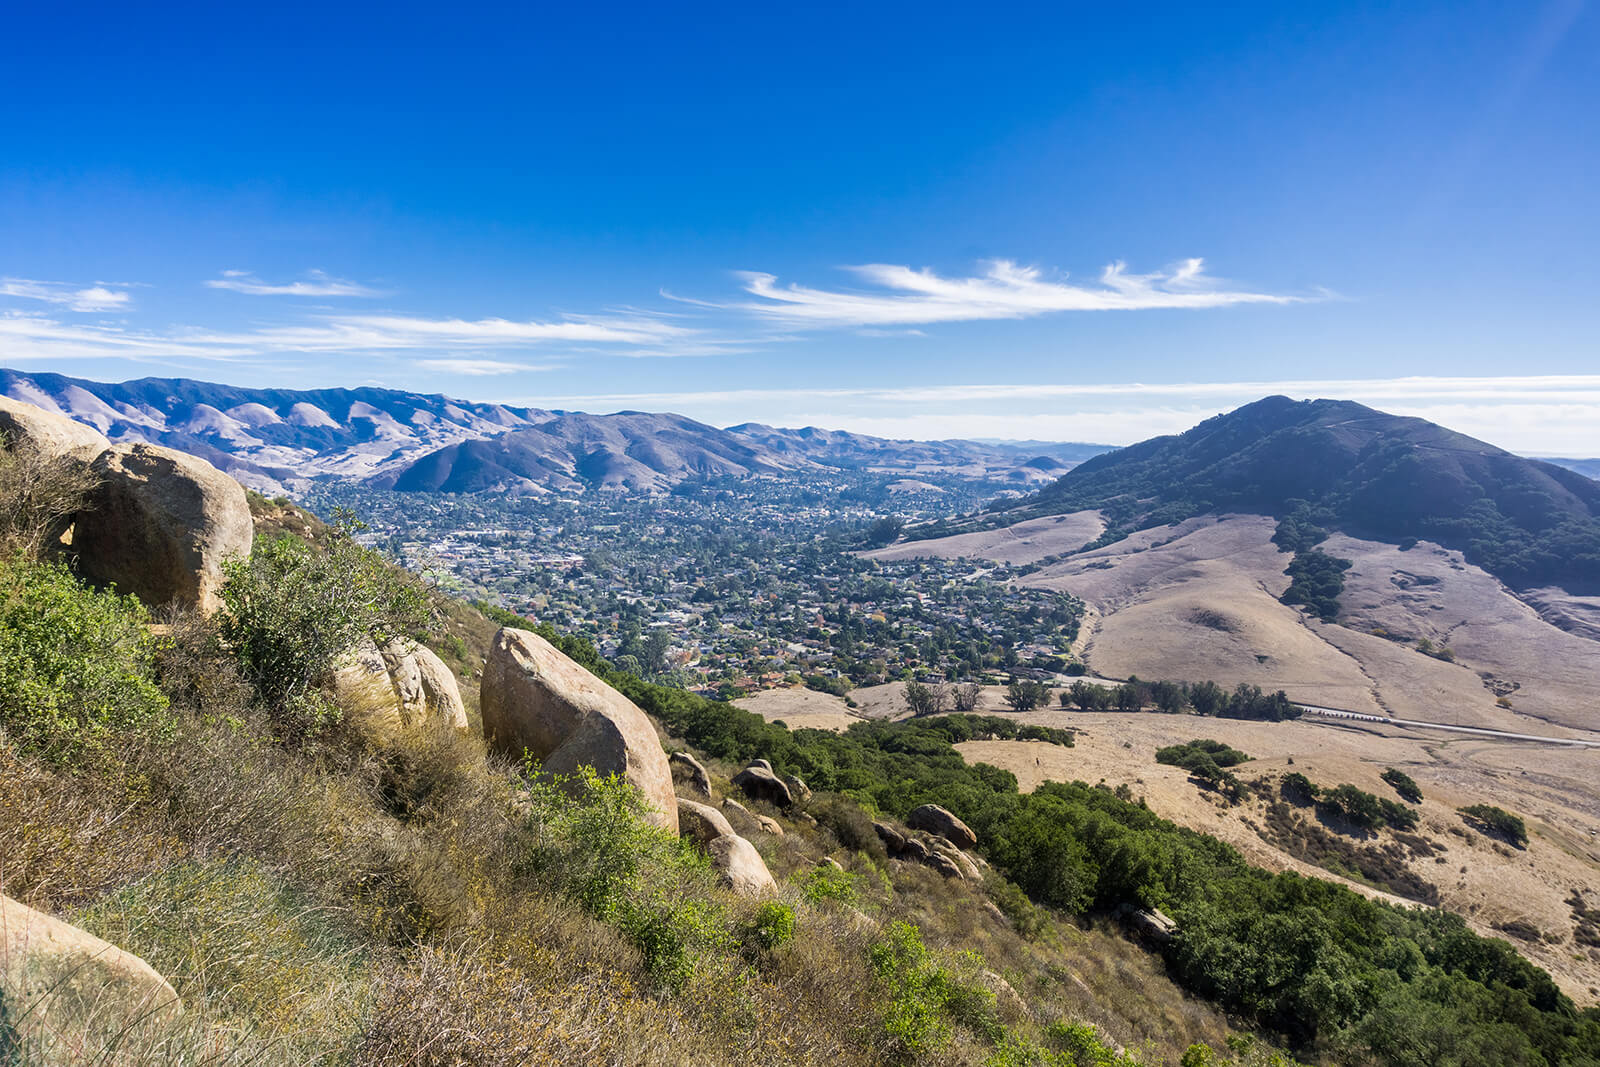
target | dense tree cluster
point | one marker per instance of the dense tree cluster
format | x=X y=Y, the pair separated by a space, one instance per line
x=1244 y=701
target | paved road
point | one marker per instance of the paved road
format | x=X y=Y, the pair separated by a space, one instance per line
x=1335 y=713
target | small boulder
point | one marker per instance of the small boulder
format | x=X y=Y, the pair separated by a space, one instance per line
x=917 y=851
x=936 y=820
x=441 y=696
x=160 y=524
x=691 y=772
x=1153 y=925
x=534 y=698
x=758 y=781
x=770 y=825
x=47 y=433
x=741 y=866
x=731 y=805
x=1006 y=996
x=400 y=685
x=701 y=822
x=58 y=979
x=894 y=842
x=831 y=863
x=943 y=864
x=797 y=788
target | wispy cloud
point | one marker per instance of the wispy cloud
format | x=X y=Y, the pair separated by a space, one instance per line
x=1004 y=290
x=477 y=367
x=97 y=297
x=38 y=337
x=316 y=283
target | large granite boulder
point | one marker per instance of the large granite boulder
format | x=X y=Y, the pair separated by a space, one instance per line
x=62 y=985
x=160 y=524
x=401 y=685
x=46 y=433
x=933 y=819
x=691 y=772
x=758 y=782
x=537 y=700
x=741 y=866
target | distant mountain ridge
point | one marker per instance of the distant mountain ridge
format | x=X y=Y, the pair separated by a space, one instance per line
x=272 y=438
x=1368 y=472
x=285 y=439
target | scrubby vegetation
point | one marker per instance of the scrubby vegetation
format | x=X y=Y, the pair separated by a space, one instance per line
x=1498 y=822
x=1403 y=784
x=293 y=608
x=75 y=663
x=1316 y=579
x=340 y=896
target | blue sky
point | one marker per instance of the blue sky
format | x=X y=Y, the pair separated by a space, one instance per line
x=1054 y=221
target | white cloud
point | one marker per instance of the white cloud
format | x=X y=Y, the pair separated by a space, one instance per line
x=36 y=337
x=97 y=297
x=317 y=283
x=477 y=367
x=1004 y=290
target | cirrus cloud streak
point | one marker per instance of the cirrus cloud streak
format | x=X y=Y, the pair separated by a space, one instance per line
x=1004 y=290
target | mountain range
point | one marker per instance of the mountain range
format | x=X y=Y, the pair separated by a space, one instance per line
x=280 y=440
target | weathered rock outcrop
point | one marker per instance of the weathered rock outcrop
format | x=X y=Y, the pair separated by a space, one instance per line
x=48 y=434
x=797 y=788
x=160 y=524
x=735 y=859
x=933 y=819
x=959 y=859
x=934 y=851
x=57 y=979
x=691 y=772
x=1154 y=925
x=401 y=685
x=770 y=825
x=536 y=699
x=758 y=781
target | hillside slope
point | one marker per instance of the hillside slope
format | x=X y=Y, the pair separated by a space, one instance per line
x=629 y=450
x=1375 y=475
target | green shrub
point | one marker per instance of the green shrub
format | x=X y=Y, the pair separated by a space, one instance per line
x=588 y=838
x=924 y=997
x=1198 y=751
x=826 y=883
x=1497 y=821
x=1403 y=784
x=75 y=663
x=1298 y=789
x=773 y=926
x=294 y=608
